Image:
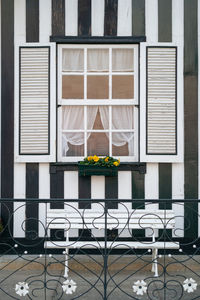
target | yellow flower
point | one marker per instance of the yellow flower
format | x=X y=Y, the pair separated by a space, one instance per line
x=95 y=158
x=116 y=163
x=90 y=158
x=119 y=161
x=106 y=159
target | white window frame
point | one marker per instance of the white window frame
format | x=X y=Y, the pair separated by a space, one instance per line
x=61 y=102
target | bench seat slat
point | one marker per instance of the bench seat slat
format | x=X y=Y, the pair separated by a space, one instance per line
x=121 y=245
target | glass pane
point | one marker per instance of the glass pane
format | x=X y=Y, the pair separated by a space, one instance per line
x=97 y=117
x=122 y=60
x=122 y=117
x=72 y=60
x=73 y=144
x=97 y=87
x=72 y=117
x=98 y=144
x=98 y=60
x=72 y=87
x=123 y=144
x=122 y=87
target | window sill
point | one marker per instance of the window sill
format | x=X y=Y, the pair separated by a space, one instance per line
x=57 y=167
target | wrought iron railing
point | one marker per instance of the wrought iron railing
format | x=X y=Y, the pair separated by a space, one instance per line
x=99 y=249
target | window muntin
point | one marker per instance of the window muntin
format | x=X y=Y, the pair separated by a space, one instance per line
x=99 y=113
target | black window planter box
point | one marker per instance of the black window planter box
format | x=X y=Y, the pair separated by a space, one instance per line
x=89 y=170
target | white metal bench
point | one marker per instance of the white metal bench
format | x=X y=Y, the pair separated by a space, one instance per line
x=122 y=220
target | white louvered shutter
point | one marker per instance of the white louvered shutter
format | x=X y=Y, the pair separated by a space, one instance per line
x=35 y=98
x=161 y=110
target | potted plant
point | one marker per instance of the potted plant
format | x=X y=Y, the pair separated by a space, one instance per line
x=94 y=165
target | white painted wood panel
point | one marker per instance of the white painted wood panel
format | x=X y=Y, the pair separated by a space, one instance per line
x=20 y=21
x=151 y=189
x=71 y=192
x=124 y=20
x=71 y=17
x=19 y=193
x=44 y=193
x=19 y=169
x=151 y=20
x=98 y=192
x=44 y=20
x=98 y=17
x=178 y=193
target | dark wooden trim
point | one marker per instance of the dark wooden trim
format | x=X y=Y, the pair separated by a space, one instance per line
x=110 y=17
x=164 y=20
x=98 y=39
x=32 y=191
x=138 y=193
x=84 y=17
x=137 y=189
x=7 y=109
x=58 y=17
x=57 y=191
x=111 y=190
x=191 y=114
x=60 y=167
x=165 y=184
x=84 y=190
x=138 y=17
x=32 y=20
x=57 y=188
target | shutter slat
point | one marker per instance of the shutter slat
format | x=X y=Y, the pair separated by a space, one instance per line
x=161 y=100
x=34 y=100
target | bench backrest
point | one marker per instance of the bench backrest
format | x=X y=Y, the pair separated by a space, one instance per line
x=115 y=219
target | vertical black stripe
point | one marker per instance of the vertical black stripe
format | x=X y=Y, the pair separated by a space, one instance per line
x=57 y=188
x=165 y=190
x=137 y=189
x=84 y=187
x=32 y=191
x=110 y=21
x=57 y=191
x=32 y=169
x=164 y=20
x=32 y=20
x=84 y=17
x=111 y=192
x=191 y=113
x=138 y=193
x=58 y=17
x=7 y=107
x=138 y=17
x=165 y=183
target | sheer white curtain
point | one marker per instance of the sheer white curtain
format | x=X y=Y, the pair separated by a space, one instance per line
x=122 y=60
x=72 y=60
x=98 y=60
x=73 y=119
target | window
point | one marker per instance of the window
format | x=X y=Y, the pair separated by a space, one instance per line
x=98 y=101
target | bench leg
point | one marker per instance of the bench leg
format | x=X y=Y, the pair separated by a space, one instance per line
x=66 y=263
x=155 y=263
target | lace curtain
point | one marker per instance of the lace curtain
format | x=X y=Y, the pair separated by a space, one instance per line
x=73 y=119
